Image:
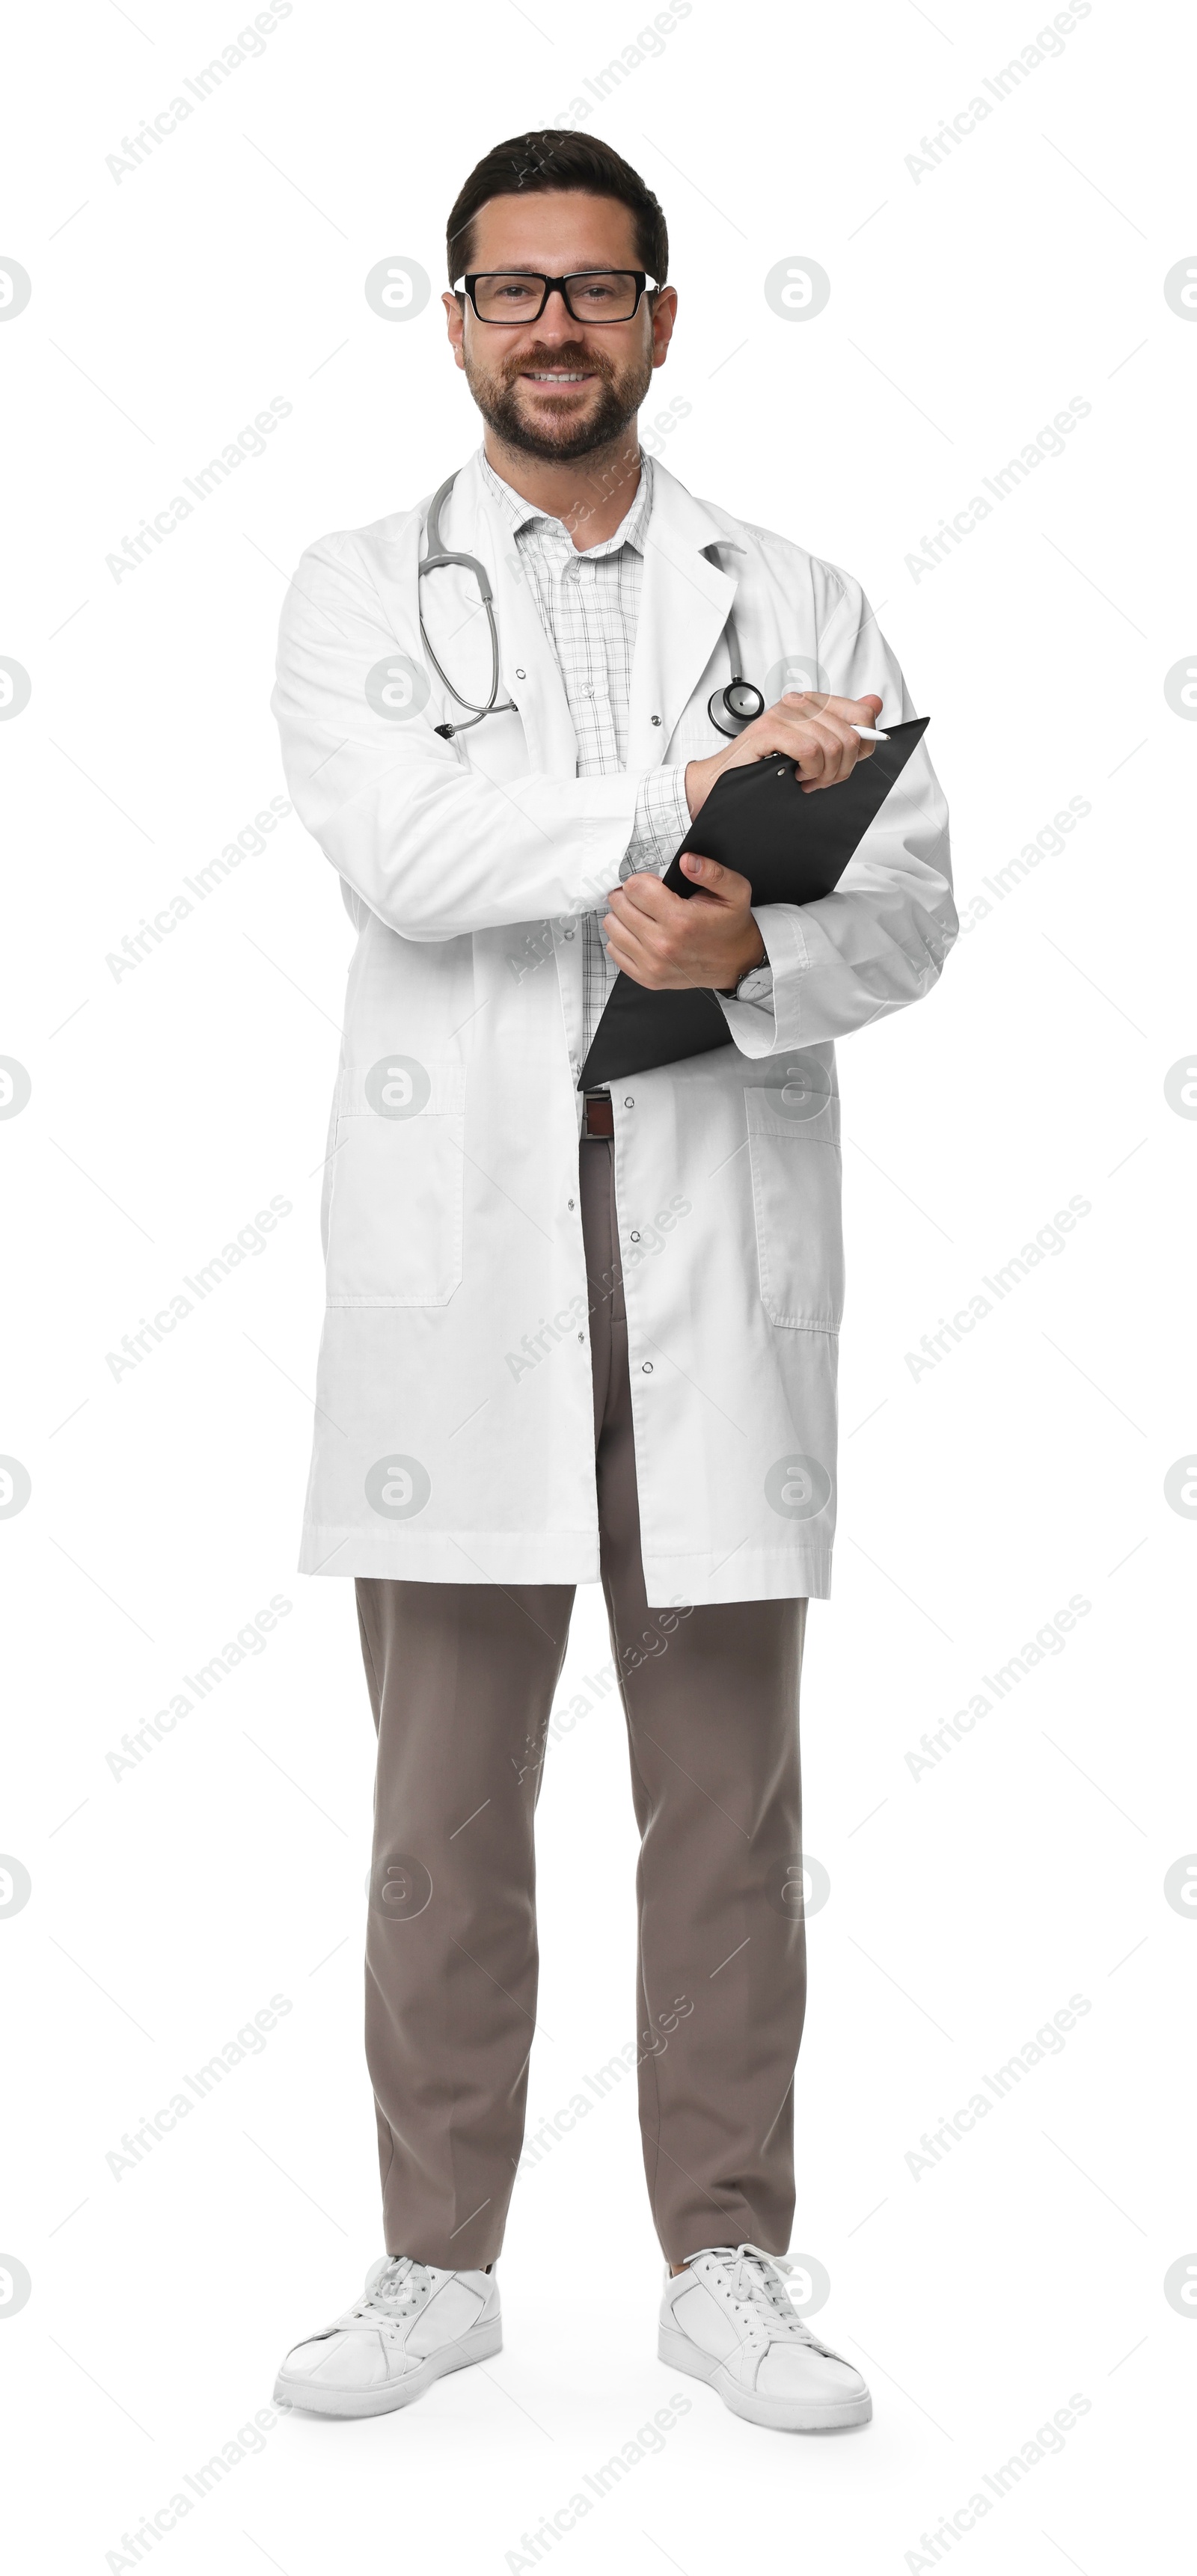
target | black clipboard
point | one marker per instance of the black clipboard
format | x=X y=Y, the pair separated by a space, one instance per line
x=792 y=848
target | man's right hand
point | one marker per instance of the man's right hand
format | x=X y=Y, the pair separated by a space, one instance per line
x=813 y=730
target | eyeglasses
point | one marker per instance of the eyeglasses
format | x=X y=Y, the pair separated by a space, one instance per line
x=589 y=294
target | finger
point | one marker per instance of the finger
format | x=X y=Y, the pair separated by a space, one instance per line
x=624 y=905
x=863 y=711
x=726 y=884
x=841 y=749
x=644 y=895
x=628 y=926
x=823 y=767
x=630 y=956
x=849 y=749
x=854 y=710
x=644 y=935
x=814 y=750
x=818 y=702
x=808 y=757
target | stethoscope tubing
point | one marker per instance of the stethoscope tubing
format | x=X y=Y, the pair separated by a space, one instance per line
x=432 y=562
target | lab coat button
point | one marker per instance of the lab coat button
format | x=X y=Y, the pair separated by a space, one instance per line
x=654 y=720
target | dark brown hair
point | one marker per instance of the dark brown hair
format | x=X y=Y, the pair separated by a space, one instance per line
x=557 y=158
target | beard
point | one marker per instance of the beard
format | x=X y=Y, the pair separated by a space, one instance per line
x=560 y=433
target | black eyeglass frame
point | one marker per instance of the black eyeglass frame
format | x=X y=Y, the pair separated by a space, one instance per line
x=640 y=279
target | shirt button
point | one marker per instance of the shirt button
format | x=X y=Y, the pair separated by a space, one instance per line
x=569 y=1202
x=568 y=934
x=635 y=1238
x=522 y=675
x=629 y=1102
x=652 y=719
x=646 y=1368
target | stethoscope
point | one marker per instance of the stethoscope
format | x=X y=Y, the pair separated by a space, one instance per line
x=736 y=704
x=432 y=561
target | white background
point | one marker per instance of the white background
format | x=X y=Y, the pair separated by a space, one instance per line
x=969 y=303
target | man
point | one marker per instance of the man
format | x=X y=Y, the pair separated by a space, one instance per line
x=573 y=1339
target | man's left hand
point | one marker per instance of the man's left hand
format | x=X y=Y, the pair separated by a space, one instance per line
x=670 y=941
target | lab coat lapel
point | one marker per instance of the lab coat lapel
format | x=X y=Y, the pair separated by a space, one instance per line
x=683 y=610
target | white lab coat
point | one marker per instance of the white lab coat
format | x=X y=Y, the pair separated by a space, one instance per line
x=453 y=1433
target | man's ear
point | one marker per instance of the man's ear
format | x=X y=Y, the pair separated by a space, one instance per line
x=664 y=314
x=455 y=325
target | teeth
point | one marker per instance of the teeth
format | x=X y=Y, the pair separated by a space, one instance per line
x=558 y=378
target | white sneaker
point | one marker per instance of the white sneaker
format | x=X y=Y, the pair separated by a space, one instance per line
x=729 y=2319
x=412 y=2323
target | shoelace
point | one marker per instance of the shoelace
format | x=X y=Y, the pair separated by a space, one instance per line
x=756 y=2284
x=397 y=2291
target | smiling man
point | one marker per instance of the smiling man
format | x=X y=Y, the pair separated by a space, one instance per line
x=576 y=1337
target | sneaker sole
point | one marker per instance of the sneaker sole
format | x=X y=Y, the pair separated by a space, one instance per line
x=781 y=2414
x=478 y=2345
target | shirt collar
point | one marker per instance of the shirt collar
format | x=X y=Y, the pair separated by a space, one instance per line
x=524 y=514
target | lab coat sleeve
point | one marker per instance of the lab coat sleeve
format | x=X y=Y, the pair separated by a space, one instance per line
x=881 y=939
x=434 y=847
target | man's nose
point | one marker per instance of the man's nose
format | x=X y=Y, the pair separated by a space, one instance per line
x=556 y=321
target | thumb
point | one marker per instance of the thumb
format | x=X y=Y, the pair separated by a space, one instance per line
x=705 y=872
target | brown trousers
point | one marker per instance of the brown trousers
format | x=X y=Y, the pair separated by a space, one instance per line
x=461 y=1679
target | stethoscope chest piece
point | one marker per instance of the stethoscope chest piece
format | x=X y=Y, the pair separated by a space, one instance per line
x=734 y=706
x=737 y=702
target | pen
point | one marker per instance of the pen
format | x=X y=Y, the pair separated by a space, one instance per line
x=869 y=733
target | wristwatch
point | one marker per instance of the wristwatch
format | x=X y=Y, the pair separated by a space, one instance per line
x=756 y=985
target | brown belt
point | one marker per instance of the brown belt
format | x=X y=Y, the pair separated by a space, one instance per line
x=598 y=1116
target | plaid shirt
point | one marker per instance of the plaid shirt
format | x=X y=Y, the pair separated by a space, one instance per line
x=588 y=604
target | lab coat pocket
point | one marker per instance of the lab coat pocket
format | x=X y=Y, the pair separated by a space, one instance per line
x=794 y=1156
x=398 y=1185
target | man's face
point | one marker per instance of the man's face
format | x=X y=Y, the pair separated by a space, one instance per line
x=557 y=389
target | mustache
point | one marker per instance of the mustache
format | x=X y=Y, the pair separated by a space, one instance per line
x=573 y=356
